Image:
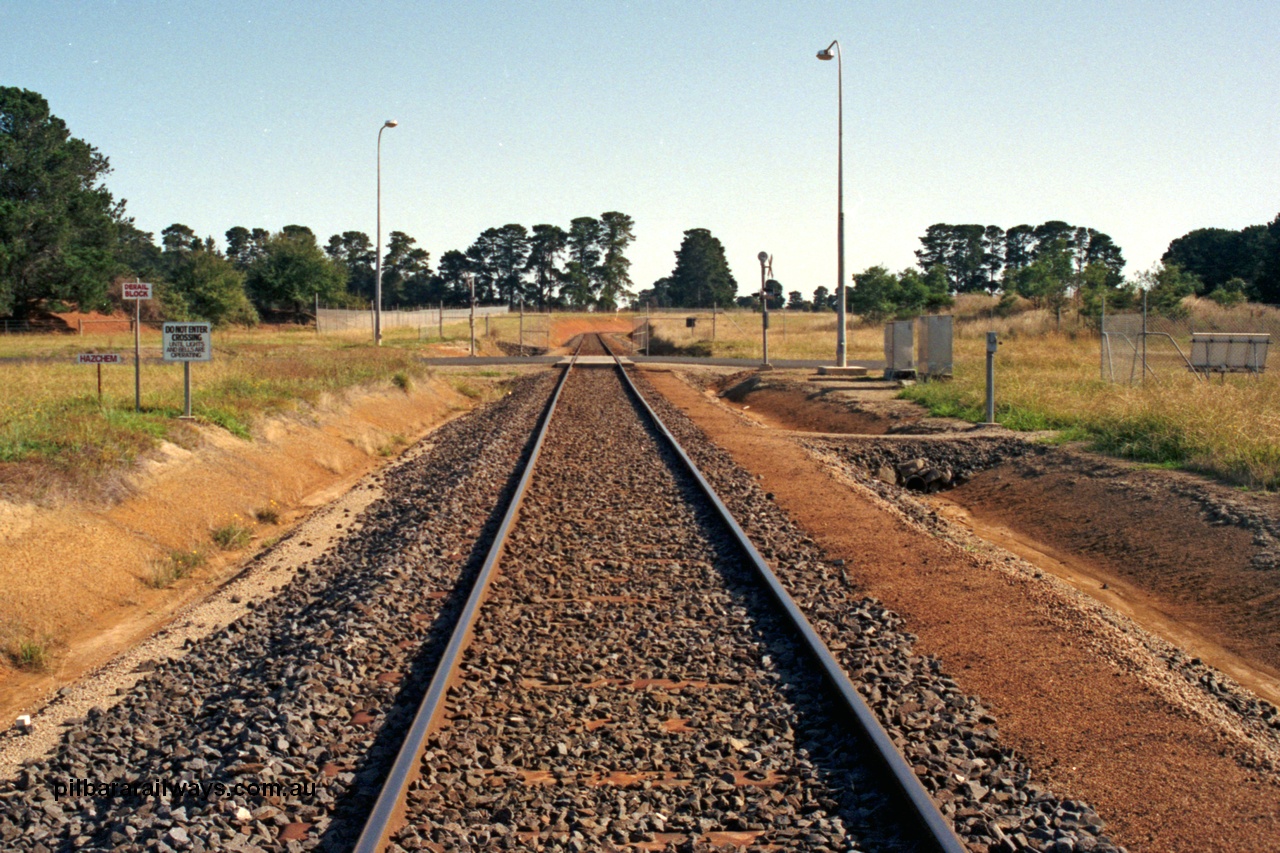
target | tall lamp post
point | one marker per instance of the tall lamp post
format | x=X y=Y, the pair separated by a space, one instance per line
x=841 y=349
x=377 y=246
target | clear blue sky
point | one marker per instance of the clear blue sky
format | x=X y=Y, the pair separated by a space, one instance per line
x=1143 y=120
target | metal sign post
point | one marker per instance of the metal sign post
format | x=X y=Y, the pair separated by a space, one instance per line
x=99 y=359
x=137 y=291
x=188 y=342
x=471 y=285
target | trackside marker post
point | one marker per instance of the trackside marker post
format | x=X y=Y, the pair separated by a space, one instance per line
x=137 y=291
x=187 y=342
x=99 y=358
x=992 y=343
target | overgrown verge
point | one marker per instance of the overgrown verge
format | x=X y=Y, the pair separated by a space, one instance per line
x=1230 y=431
x=53 y=430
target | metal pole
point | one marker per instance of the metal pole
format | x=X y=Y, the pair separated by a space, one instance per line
x=377 y=246
x=764 y=307
x=99 y=383
x=441 y=319
x=186 y=388
x=471 y=283
x=648 y=328
x=1142 y=380
x=137 y=355
x=522 y=327
x=841 y=319
x=714 y=311
x=992 y=343
x=1102 y=353
x=317 y=312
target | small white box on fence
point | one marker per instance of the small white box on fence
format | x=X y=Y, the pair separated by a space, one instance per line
x=137 y=290
x=933 y=356
x=899 y=349
x=1222 y=352
x=188 y=342
x=99 y=358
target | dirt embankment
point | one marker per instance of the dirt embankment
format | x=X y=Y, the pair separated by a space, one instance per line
x=84 y=580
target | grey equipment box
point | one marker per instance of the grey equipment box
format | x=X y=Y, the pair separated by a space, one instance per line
x=933 y=355
x=899 y=350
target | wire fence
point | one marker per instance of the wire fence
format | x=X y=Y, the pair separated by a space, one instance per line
x=332 y=320
x=1135 y=347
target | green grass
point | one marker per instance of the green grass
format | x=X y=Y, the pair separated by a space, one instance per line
x=230 y=537
x=174 y=568
x=31 y=655
x=50 y=417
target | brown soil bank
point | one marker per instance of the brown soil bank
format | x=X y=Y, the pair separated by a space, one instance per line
x=1081 y=693
x=82 y=581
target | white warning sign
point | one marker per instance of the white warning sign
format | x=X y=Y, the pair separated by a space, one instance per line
x=188 y=342
x=136 y=289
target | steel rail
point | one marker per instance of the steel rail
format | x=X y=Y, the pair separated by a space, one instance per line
x=920 y=804
x=387 y=808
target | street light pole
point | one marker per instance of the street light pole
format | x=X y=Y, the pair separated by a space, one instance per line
x=841 y=348
x=377 y=246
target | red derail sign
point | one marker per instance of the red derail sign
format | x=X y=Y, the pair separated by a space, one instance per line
x=99 y=358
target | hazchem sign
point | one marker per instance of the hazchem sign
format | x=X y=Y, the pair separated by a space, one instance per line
x=137 y=290
x=99 y=358
x=188 y=342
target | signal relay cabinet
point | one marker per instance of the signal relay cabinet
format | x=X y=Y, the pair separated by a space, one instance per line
x=933 y=355
x=899 y=350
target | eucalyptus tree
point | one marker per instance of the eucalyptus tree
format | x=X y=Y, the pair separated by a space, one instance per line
x=292 y=270
x=59 y=225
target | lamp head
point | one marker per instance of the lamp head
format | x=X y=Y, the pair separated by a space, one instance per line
x=762 y=257
x=826 y=54
x=391 y=123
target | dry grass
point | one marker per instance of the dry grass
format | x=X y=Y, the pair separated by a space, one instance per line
x=1053 y=380
x=52 y=428
x=738 y=334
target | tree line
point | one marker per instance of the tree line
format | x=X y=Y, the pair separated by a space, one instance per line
x=65 y=239
x=1231 y=266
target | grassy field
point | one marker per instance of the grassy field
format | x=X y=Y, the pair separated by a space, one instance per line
x=51 y=422
x=1049 y=377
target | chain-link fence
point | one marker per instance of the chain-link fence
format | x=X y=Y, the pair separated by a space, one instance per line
x=330 y=320
x=1137 y=346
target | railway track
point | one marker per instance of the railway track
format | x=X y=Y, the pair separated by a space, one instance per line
x=624 y=680
x=630 y=683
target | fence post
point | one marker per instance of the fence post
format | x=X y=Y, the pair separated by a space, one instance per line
x=441 y=319
x=1143 y=378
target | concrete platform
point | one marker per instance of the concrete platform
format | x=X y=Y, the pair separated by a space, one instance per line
x=843 y=372
x=589 y=360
